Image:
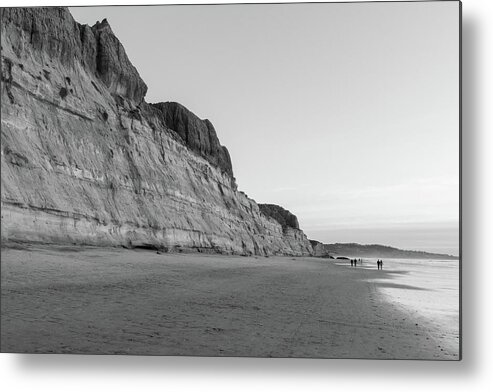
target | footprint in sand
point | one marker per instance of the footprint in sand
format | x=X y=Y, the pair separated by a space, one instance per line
x=214 y=329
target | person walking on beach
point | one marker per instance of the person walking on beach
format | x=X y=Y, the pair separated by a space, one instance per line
x=378 y=264
x=381 y=264
x=352 y=262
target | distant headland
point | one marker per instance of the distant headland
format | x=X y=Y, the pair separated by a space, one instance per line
x=373 y=250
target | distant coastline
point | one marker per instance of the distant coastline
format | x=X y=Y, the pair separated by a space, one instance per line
x=373 y=250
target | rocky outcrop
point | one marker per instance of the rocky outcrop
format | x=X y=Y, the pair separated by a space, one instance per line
x=199 y=135
x=85 y=160
x=113 y=66
x=284 y=217
x=54 y=39
x=319 y=249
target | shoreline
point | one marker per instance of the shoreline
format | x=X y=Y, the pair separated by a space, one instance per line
x=136 y=302
x=25 y=245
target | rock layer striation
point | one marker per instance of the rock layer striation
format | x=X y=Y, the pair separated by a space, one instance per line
x=85 y=160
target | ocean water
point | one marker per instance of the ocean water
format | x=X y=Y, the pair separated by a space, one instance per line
x=427 y=288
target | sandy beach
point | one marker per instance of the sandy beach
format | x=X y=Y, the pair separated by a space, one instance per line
x=118 y=301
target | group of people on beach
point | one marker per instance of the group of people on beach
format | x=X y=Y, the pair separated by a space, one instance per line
x=354 y=263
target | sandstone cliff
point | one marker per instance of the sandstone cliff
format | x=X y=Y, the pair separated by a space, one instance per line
x=85 y=160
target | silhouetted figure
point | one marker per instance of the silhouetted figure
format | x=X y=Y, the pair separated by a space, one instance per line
x=378 y=264
x=381 y=264
x=352 y=262
x=355 y=262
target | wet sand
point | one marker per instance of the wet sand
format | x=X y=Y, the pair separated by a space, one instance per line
x=117 y=301
x=434 y=293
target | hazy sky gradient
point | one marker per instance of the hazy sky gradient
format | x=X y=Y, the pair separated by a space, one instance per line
x=345 y=114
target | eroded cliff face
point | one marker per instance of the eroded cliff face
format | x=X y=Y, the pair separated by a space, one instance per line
x=85 y=160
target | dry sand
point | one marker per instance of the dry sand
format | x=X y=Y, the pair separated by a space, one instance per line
x=117 y=301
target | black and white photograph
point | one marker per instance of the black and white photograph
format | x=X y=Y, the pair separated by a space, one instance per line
x=232 y=180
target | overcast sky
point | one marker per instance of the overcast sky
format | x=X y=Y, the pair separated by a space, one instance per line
x=345 y=114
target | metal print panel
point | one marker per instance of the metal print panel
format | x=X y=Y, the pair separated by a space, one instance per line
x=129 y=136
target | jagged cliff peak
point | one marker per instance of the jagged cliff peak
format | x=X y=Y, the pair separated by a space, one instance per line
x=104 y=24
x=114 y=67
